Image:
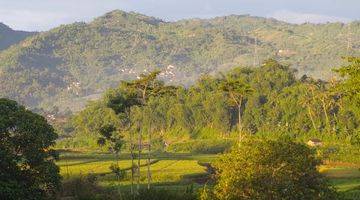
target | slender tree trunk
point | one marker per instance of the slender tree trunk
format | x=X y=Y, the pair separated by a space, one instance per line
x=148 y=163
x=311 y=118
x=240 y=120
x=139 y=159
x=132 y=162
x=326 y=114
x=117 y=164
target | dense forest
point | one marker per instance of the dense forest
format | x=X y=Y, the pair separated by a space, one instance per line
x=78 y=62
x=268 y=100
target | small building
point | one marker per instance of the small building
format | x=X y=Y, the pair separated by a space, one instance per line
x=315 y=142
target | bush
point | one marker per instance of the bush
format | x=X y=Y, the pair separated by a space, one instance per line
x=120 y=174
x=202 y=146
x=270 y=169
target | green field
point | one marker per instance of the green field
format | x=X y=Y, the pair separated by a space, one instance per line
x=177 y=171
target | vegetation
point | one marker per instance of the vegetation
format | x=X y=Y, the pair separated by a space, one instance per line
x=270 y=169
x=204 y=118
x=180 y=104
x=280 y=104
x=27 y=168
x=174 y=173
x=74 y=63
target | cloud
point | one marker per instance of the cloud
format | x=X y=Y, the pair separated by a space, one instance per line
x=299 y=18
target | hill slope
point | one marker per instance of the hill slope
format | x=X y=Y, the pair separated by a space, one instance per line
x=9 y=37
x=72 y=62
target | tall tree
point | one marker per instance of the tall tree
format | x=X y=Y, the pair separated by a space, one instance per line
x=237 y=91
x=145 y=87
x=121 y=101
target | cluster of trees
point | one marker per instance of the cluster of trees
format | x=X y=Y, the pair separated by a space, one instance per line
x=268 y=99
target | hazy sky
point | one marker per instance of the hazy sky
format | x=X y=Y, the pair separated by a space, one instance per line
x=36 y=15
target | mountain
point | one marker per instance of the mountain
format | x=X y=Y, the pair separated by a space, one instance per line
x=9 y=37
x=71 y=64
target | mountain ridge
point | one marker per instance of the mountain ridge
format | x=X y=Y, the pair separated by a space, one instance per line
x=10 y=37
x=81 y=59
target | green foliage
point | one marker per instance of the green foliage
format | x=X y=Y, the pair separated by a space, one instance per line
x=278 y=104
x=270 y=169
x=109 y=134
x=120 y=174
x=27 y=168
x=351 y=86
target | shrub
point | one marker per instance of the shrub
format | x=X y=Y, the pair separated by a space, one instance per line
x=120 y=174
x=270 y=169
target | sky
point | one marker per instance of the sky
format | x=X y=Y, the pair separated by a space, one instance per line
x=42 y=15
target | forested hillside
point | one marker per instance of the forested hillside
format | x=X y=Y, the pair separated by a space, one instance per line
x=79 y=61
x=10 y=37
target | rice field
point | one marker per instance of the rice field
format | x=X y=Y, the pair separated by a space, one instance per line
x=177 y=170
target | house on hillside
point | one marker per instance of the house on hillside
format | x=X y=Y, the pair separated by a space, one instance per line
x=315 y=142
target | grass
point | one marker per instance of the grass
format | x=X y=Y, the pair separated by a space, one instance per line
x=177 y=171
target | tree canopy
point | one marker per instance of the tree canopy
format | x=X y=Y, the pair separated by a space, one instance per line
x=27 y=168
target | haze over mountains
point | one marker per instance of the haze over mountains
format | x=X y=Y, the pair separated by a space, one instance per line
x=9 y=37
x=76 y=62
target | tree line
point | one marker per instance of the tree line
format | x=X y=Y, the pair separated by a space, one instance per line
x=267 y=99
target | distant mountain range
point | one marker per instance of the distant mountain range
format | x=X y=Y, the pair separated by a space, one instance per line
x=9 y=37
x=73 y=63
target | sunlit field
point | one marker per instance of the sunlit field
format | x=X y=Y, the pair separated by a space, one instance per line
x=177 y=171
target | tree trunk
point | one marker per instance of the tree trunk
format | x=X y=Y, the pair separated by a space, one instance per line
x=326 y=114
x=117 y=164
x=148 y=163
x=239 y=120
x=139 y=160
x=311 y=118
x=132 y=162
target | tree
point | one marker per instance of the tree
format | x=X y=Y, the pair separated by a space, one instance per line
x=27 y=168
x=144 y=88
x=236 y=90
x=121 y=101
x=110 y=136
x=270 y=169
x=350 y=87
